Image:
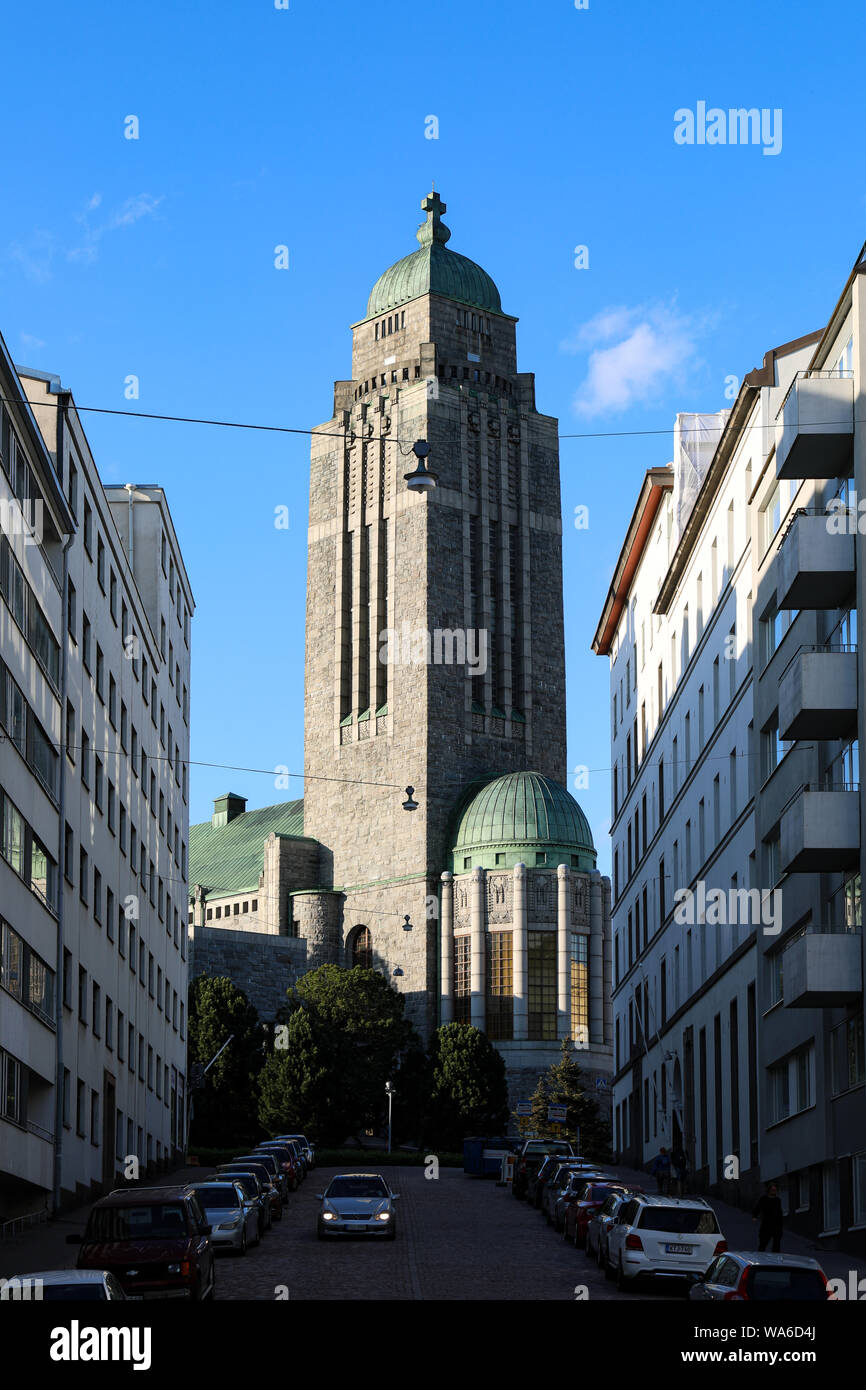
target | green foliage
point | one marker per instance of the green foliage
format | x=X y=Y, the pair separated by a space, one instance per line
x=225 y=1110
x=562 y=1084
x=362 y=1033
x=468 y=1091
x=297 y=1088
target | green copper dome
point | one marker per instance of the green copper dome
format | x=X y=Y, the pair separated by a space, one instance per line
x=523 y=817
x=434 y=270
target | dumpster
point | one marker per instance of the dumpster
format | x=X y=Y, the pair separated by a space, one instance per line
x=483 y=1156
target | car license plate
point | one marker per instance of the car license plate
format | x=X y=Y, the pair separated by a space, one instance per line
x=678 y=1249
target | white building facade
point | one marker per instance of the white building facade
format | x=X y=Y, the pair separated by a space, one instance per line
x=103 y=1055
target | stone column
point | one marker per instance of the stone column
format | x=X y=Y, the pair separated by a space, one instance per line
x=320 y=922
x=563 y=951
x=477 y=922
x=446 y=939
x=520 y=954
x=596 y=961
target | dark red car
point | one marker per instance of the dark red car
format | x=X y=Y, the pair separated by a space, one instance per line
x=578 y=1214
x=154 y=1240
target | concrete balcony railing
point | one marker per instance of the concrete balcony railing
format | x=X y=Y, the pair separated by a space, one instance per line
x=824 y=968
x=818 y=693
x=814 y=564
x=819 y=831
x=815 y=426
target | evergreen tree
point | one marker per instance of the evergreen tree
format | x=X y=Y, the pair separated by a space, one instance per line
x=468 y=1090
x=295 y=1087
x=224 y=1110
x=562 y=1084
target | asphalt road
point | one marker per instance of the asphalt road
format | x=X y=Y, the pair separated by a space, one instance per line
x=457 y=1238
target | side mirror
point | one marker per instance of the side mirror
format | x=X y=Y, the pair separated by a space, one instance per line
x=320 y=1196
x=395 y=1196
x=75 y=1240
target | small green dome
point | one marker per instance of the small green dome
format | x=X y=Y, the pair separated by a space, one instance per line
x=523 y=816
x=434 y=270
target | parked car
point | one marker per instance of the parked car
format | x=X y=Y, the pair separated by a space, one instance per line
x=273 y=1169
x=565 y=1180
x=357 y=1204
x=756 y=1276
x=254 y=1193
x=275 y=1201
x=599 y=1227
x=232 y=1217
x=288 y=1163
x=297 y=1152
x=589 y=1197
x=64 y=1286
x=154 y=1240
x=539 y=1172
x=531 y=1156
x=662 y=1237
x=548 y=1171
x=305 y=1145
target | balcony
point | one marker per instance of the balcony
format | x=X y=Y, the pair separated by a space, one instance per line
x=814 y=567
x=819 y=831
x=818 y=694
x=815 y=426
x=824 y=969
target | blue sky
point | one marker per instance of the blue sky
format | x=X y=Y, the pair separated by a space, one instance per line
x=306 y=127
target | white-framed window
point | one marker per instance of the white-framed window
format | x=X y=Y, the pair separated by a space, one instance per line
x=830 y=1180
x=858 y=1188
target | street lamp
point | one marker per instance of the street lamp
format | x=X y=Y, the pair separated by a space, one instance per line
x=422 y=479
x=410 y=804
x=390 y=1093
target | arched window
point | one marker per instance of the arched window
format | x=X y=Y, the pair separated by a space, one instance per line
x=362 y=949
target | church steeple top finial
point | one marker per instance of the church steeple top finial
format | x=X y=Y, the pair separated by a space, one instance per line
x=434 y=228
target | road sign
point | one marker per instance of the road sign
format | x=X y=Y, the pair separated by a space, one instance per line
x=524 y=1108
x=601 y=1083
x=557 y=1114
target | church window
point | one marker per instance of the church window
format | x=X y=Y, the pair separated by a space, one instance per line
x=393 y=376
x=405 y=373
x=579 y=989
x=462 y=981
x=255 y=905
x=467 y=863
x=389 y=325
x=542 y=985
x=540 y=857
x=476 y=375
x=403 y=319
x=499 y=1004
x=377 y=332
x=209 y=914
x=362 y=949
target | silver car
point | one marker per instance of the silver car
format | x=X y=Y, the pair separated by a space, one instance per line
x=231 y=1215
x=357 y=1204
x=305 y=1146
x=62 y=1286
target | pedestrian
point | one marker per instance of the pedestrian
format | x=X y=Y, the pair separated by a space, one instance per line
x=661 y=1169
x=768 y=1210
x=679 y=1170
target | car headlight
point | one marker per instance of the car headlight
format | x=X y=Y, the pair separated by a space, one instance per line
x=173 y=1269
x=329 y=1216
x=229 y=1225
x=383 y=1216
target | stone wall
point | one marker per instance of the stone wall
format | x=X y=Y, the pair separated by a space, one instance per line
x=263 y=966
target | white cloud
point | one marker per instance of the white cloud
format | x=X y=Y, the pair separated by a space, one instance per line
x=126 y=215
x=28 y=340
x=636 y=354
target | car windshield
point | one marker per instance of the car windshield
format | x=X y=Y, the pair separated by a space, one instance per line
x=247 y=1183
x=769 y=1282
x=73 y=1293
x=598 y=1192
x=213 y=1195
x=357 y=1187
x=692 y=1221
x=267 y=1161
x=161 y=1221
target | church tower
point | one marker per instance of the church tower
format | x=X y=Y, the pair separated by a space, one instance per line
x=434 y=625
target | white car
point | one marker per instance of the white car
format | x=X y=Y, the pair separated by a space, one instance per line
x=357 y=1204
x=62 y=1286
x=654 y=1236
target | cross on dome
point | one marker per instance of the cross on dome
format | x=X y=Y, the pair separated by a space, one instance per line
x=434 y=228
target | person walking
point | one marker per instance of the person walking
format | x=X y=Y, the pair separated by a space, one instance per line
x=661 y=1169
x=679 y=1170
x=768 y=1211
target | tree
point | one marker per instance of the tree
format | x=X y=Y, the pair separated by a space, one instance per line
x=468 y=1091
x=563 y=1084
x=295 y=1090
x=363 y=1021
x=224 y=1111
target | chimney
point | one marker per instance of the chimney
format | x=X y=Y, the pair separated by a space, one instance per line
x=225 y=808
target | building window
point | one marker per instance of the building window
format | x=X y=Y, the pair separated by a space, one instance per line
x=500 y=987
x=579 y=990
x=541 y=985
x=362 y=949
x=462 y=981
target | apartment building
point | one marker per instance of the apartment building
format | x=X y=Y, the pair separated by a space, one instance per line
x=101 y=1051
x=688 y=908
x=807 y=578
